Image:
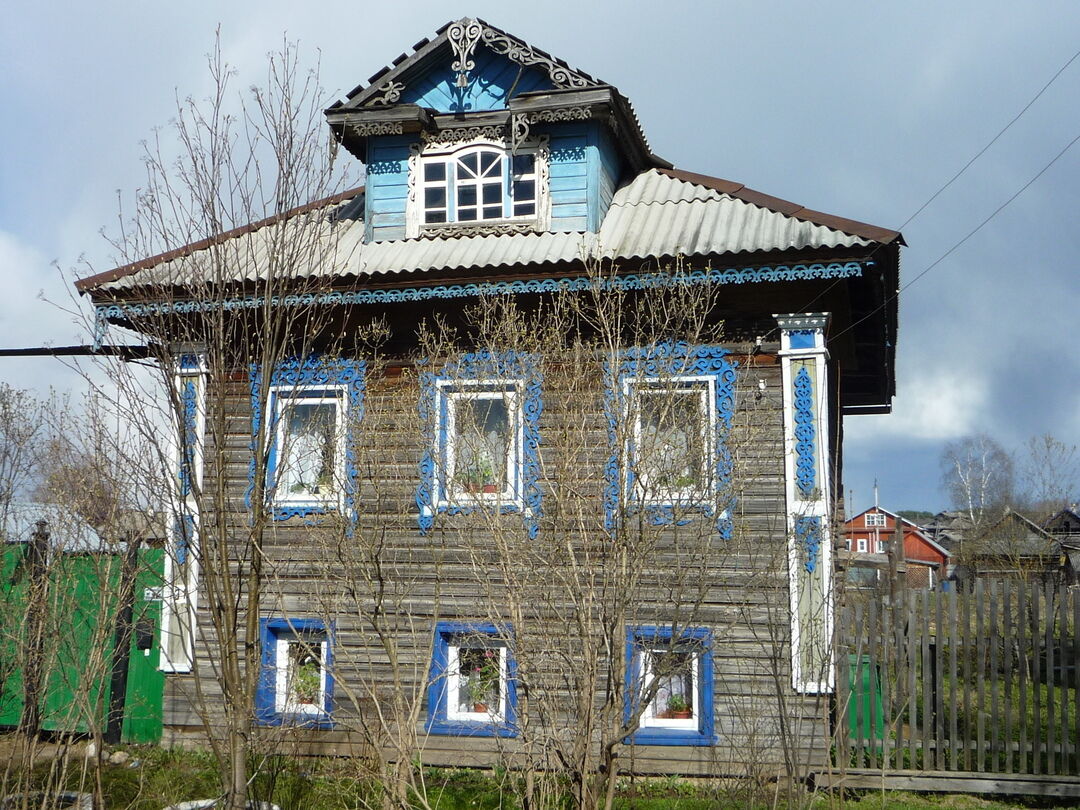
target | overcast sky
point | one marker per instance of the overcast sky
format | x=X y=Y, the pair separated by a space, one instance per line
x=859 y=109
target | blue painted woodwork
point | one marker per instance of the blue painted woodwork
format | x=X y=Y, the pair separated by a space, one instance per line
x=270 y=630
x=584 y=170
x=437 y=718
x=808 y=540
x=670 y=360
x=313 y=375
x=609 y=171
x=490 y=84
x=432 y=491
x=387 y=188
x=189 y=362
x=638 y=638
x=802 y=338
x=183 y=537
x=748 y=275
x=805 y=462
x=189 y=403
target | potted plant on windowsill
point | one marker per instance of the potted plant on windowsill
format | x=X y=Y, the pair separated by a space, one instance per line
x=480 y=477
x=484 y=682
x=487 y=472
x=307 y=682
x=677 y=708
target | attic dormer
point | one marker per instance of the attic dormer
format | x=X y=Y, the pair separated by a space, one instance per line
x=478 y=132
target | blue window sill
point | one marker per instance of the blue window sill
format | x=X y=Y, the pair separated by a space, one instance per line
x=463 y=729
x=670 y=736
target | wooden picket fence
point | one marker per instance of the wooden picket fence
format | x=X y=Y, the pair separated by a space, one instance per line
x=984 y=682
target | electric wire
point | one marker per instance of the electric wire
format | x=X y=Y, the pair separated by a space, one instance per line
x=964 y=239
x=956 y=177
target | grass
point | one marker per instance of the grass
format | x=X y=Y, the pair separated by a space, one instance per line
x=162 y=777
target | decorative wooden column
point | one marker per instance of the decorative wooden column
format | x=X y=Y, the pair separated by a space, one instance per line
x=808 y=494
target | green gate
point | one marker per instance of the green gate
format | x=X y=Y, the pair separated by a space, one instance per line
x=81 y=604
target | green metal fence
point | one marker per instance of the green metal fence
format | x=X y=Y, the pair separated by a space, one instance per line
x=80 y=602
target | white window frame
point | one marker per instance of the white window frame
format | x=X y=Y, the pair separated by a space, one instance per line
x=281 y=396
x=455 y=682
x=879 y=545
x=449 y=393
x=449 y=155
x=878 y=520
x=638 y=485
x=283 y=704
x=649 y=716
x=862 y=545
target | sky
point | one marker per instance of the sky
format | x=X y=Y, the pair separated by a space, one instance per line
x=860 y=109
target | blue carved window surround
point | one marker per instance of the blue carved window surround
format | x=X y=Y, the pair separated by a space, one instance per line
x=296 y=682
x=805 y=463
x=673 y=365
x=450 y=686
x=646 y=648
x=317 y=379
x=511 y=378
x=808 y=540
x=189 y=405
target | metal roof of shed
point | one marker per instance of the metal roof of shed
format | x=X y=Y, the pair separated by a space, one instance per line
x=660 y=214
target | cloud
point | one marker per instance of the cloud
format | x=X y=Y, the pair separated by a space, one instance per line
x=933 y=403
x=33 y=313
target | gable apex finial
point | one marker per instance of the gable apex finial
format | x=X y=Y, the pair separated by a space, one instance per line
x=463 y=36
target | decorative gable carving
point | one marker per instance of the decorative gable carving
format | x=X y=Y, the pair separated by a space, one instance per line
x=463 y=38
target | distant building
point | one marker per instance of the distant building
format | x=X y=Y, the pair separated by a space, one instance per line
x=868 y=536
x=1011 y=546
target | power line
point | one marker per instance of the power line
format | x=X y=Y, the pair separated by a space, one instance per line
x=956 y=176
x=993 y=140
x=964 y=239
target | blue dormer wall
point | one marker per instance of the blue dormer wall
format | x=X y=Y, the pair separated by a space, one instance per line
x=491 y=82
x=387 y=187
x=584 y=173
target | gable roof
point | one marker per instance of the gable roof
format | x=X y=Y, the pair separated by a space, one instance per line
x=1035 y=542
x=660 y=214
x=849 y=525
x=873 y=233
x=461 y=36
x=420 y=87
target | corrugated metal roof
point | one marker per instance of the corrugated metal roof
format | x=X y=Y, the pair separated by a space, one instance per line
x=660 y=213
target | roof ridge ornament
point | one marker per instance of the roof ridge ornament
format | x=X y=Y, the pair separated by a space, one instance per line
x=464 y=36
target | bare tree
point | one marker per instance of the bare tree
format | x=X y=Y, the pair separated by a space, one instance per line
x=1050 y=475
x=977 y=472
x=21 y=435
x=224 y=163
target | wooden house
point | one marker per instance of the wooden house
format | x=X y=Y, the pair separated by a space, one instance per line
x=1010 y=545
x=491 y=486
x=926 y=562
x=1064 y=526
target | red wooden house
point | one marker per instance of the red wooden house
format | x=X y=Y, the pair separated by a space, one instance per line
x=872 y=531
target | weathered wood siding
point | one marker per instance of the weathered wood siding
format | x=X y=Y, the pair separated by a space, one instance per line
x=458 y=572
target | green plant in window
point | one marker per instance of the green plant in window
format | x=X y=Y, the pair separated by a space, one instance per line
x=676 y=704
x=307 y=678
x=484 y=678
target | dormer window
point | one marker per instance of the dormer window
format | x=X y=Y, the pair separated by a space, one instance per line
x=478 y=184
